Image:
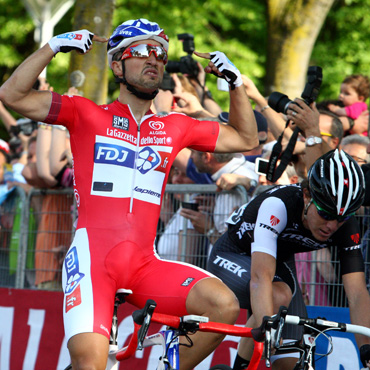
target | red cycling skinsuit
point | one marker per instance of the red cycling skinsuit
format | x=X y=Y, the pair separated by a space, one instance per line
x=121 y=169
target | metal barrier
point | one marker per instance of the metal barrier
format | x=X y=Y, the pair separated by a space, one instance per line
x=177 y=238
x=37 y=229
x=12 y=237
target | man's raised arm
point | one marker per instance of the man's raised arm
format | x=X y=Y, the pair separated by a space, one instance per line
x=240 y=134
x=17 y=92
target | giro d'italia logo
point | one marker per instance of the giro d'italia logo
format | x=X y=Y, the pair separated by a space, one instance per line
x=147 y=159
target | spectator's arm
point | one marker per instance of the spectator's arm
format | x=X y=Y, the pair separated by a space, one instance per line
x=191 y=106
x=43 y=145
x=6 y=117
x=163 y=101
x=324 y=265
x=30 y=174
x=276 y=123
x=361 y=124
x=59 y=144
x=199 y=84
x=307 y=119
x=228 y=181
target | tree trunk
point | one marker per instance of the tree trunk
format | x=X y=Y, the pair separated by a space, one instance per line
x=293 y=28
x=89 y=72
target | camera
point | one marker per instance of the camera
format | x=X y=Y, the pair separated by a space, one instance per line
x=280 y=102
x=167 y=83
x=261 y=166
x=24 y=126
x=188 y=205
x=187 y=65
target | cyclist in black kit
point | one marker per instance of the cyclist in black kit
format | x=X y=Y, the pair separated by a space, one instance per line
x=255 y=257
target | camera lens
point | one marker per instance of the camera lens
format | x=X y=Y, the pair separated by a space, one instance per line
x=173 y=67
x=279 y=102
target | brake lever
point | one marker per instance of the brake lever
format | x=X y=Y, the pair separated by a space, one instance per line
x=144 y=317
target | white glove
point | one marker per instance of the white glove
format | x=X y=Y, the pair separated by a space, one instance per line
x=78 y=40
x=229 y=72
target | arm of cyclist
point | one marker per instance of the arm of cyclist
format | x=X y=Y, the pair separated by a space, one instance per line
x=17 y=92
x=359 y=305
x=240 y=134
x=261 y=290
x=267 y=296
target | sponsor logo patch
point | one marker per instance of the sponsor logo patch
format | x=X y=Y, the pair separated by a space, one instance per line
x=121 y=123
x=70 y=36
x=274 y=220
x=355 y=238
x=121 y=156
x=244 y=227
x=187 y=282
x=73 y=299
x=268 y=227
x=156 y=125
x=229 y=265
x=72 y=267
x=147 y=160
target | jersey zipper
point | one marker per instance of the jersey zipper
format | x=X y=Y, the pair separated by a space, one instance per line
x=135 y=162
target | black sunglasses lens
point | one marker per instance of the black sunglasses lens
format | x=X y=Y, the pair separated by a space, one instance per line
x=328 y=217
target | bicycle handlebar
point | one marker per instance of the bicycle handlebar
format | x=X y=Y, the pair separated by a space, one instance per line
x=279 y=320
x=323 y=324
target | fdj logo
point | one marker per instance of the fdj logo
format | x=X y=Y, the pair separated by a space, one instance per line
x=72 y=267
x=114 y=154
x=147 y=160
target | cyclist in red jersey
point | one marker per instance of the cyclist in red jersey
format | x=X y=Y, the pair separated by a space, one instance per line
x=122 y=154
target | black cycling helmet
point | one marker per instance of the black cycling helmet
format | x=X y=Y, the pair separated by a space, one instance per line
x=336 y=183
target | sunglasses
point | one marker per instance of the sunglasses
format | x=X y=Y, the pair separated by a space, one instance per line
x=326 y=134
x=330 y=217
x=144 y=51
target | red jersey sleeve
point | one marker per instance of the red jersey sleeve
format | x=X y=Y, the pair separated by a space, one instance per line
x=65 y=109
x=201 y=135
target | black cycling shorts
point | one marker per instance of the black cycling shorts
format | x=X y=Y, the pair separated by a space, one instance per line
x=233 y=267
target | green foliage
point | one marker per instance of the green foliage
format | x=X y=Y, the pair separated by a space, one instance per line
x=15 y=36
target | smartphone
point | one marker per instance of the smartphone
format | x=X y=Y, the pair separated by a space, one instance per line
x=222 y=85
x=261 y=166
x=188 y=205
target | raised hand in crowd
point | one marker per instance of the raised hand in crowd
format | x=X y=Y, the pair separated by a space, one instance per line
x=228 y=181
x=190 y=105
x=163 y=101
x=204 y=94
x=361 y=124
x=276 y=122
